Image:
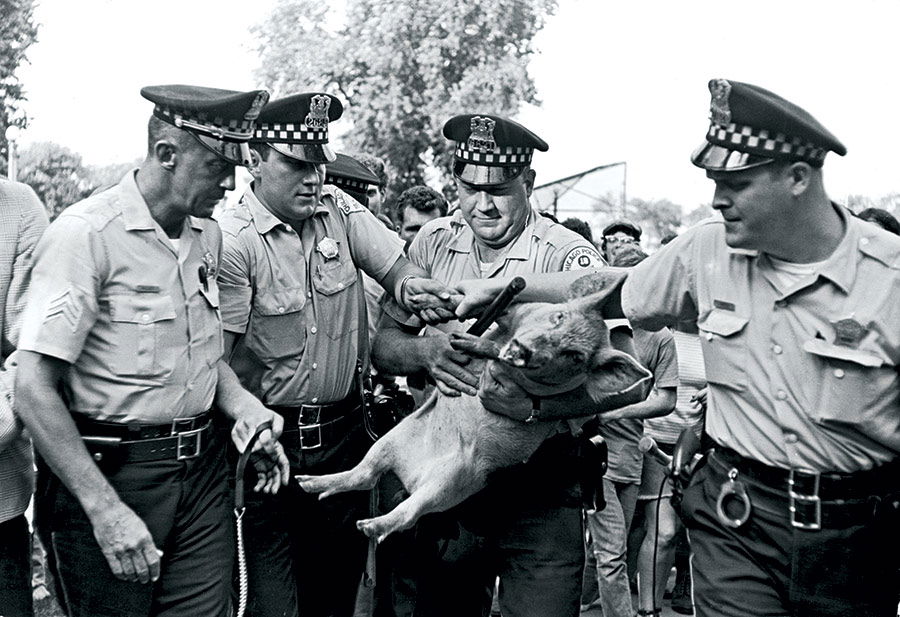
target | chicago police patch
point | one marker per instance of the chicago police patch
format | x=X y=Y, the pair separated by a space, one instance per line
x=582 y=257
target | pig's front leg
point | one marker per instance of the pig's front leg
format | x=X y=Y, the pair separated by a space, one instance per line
x=362 y=477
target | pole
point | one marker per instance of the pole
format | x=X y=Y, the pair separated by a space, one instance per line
x=12 y=170
x=624 y=180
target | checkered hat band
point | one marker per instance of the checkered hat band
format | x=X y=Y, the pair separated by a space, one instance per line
x=764 y=142
x=508 y=155
x=290 y=134
x=339 y=181
x=233 y=128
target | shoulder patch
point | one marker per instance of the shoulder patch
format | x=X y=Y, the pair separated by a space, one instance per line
x=582 y=257
x=234 y=219
x=344 y=202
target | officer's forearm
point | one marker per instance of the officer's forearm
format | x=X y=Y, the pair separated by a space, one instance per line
x=231 y=397
x=402 y=269
x=55 y=435
x=396 y=351
x=658 y=403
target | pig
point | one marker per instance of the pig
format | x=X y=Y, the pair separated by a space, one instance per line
x=445 y=451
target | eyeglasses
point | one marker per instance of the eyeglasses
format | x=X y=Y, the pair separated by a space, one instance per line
x=619 y=240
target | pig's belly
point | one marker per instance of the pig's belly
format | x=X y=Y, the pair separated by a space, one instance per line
x=454 y=445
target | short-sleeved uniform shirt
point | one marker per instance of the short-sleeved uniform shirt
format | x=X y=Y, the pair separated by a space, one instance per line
x=803 y=377
x=296 y=296
x=445 y=247
x=656 y=352
x=136 y=318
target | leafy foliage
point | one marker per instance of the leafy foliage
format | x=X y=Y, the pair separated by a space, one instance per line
x=17 y=32
x=56 y=175
x=406 y=66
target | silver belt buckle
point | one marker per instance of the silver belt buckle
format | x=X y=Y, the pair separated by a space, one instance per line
x=310 y=436
x=181 y=425
x=805 y=509
x=189 y=443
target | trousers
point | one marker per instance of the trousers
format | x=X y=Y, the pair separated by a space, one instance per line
x=768 y=568
x=15 y=568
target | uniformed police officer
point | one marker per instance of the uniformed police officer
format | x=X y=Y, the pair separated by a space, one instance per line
x=120 y=365
x=294 y=315
x=795 y=512
x=526 y=530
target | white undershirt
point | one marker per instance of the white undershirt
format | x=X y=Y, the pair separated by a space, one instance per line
x=788 y=273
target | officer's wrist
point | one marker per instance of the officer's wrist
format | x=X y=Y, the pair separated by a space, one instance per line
x=400 y=290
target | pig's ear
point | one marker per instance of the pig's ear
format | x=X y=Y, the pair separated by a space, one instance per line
x=592 y=291
x=615 y=372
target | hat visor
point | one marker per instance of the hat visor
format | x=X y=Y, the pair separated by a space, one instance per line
x=228 y=150
x=485 y=175
x=719 y=158
x=311 y=153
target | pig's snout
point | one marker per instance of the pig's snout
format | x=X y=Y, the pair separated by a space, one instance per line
x=516 y=354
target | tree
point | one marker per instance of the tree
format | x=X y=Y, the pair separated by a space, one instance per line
x=404 y=67
x=17 y=32
x=56 y=175
x=658 y=218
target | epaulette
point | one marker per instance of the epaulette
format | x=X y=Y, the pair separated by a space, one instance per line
x=233 y=220
x=97 y=210
x=879 y=244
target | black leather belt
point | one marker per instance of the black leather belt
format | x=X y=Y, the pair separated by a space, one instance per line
x=181 y=439
x=319 y=425
x=817 y=499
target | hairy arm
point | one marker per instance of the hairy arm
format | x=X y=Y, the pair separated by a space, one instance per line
x=122 y=535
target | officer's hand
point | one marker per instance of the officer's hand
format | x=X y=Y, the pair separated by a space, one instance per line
x=127 y=544
x=500 y=394
x=449 y=368
x=477 y=295
x=699 y=399
x=430 y=299
x=272 y=467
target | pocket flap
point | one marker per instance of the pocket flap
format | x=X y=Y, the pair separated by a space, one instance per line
x=825 y=349
x=722 y=323
x=141 y=308
x=279 y=301
x=334 y=276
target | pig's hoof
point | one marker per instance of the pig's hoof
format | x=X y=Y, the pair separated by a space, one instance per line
x=373 y=529
x=311 y=484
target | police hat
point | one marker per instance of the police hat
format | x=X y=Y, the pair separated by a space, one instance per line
x=351 y=176
x=222 y=120
x=489 y=149
x=750 y=126
x=625 y=226
x=297 y=126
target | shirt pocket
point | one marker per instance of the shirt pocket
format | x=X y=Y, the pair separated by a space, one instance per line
x=334 y=281
x=724 y=344
x=851 y=381
x=277 y=324
x=139 y=324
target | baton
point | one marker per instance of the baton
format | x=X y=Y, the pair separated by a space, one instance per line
x=497 y=306
x=647 y=445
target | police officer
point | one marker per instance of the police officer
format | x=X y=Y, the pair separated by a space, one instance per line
x=795 y=511
x=120 y=368
x=526 y=530
x=294 y=316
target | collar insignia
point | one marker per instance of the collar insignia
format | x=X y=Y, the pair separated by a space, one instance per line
x=328 y=247
x=848 y=332
x=481 y=138
x=719 y=111
x=317 y=118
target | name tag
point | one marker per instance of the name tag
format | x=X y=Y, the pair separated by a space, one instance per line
x=725 y=306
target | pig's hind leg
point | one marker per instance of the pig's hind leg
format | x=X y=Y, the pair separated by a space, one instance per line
x=362 y=477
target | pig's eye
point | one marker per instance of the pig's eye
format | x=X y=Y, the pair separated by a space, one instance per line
x=557 y=318
x=575 y=356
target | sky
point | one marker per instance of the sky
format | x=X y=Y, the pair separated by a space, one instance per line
x=618 y=81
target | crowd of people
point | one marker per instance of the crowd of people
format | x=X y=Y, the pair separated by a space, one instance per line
x=154 y=341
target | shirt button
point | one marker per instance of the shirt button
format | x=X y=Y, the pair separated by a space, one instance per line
x=313 y=330
x=781 y=395
x=709 y=336
x=863 y=241
x=791 y=438
x=315 y=399
x=777 y=349
x=280 y=309
x=145 y=317
x=839 y=373
x=315 y=365
x=309 y=294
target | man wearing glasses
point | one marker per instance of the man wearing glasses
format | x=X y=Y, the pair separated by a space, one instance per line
x=617 y=234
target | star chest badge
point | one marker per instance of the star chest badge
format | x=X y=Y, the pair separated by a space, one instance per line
x=328 y=247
